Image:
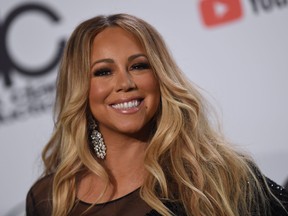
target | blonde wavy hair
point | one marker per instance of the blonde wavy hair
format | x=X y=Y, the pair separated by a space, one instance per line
x=187 y=159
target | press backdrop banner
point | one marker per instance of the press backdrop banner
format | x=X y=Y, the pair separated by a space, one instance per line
x=236 y=50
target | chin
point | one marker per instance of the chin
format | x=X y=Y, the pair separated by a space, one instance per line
x=138 y=133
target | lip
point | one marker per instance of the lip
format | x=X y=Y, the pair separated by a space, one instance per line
x=119 y=107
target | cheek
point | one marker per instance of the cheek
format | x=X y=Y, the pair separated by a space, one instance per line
x=151 y=86
x=98 y=92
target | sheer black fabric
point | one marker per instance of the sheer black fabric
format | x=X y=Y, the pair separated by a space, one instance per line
x=39 y=203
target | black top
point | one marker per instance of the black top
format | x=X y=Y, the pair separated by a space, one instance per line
x=38 y=203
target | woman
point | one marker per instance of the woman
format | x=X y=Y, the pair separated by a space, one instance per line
x=132 y=136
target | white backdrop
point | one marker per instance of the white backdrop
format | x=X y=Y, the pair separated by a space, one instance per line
x=238 y=54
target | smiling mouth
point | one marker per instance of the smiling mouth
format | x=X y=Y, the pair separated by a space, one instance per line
x=127 y=105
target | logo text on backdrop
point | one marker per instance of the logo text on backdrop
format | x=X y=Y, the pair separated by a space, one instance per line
x=19 y=100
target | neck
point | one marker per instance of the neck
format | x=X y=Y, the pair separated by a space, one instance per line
x=125 y=156
x=124 y=163
x=125 y=160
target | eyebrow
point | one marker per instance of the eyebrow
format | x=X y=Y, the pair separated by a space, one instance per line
x=136 y=56
x=108 y=60
x=102 y=60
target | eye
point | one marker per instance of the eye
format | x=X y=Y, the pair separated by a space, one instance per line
x=102 y=72
x=140 y=66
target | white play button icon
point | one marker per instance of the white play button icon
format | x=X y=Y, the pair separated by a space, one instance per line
x=220 y=9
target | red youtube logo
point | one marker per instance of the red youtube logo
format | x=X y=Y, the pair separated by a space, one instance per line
x=215 y=12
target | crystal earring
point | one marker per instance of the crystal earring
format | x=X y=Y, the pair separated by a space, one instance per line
x=97 y=139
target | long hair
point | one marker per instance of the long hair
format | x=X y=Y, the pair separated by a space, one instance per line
x=188 y=160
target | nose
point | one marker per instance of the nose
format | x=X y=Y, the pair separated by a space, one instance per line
x=124 y=81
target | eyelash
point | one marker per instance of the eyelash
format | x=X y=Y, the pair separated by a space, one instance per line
x=140 y=66
x=108 y=71
x=102 y=72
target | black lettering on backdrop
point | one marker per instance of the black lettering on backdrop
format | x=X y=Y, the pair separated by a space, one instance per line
x=7 y=64
x=281 y=3
x=267 y=5
x=26 y=99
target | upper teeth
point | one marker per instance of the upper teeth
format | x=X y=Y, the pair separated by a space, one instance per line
x=126 y=105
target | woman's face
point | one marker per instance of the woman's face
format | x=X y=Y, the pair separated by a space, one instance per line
x=124 y=93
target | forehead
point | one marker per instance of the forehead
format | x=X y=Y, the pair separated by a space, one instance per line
x=116 y=37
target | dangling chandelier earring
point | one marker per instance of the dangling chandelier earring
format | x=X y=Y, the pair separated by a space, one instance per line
x=96 y=139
